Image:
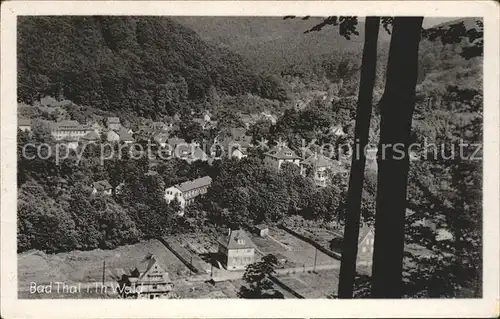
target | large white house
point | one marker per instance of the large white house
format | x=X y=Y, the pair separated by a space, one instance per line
x=186 y=192
x=69 y=130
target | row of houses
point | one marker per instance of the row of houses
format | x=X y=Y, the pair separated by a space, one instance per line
x=234 y=142
x=72 y=132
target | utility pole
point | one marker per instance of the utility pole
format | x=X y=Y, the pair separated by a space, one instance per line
x=315 y=256
x=103 y=271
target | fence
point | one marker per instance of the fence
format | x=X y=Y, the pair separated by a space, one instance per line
x=285 y=287
x=181 y=258
x=312 y=242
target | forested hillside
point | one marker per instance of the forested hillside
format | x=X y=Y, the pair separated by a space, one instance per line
x=140 y=65
x=272 y=43
x=324 y=57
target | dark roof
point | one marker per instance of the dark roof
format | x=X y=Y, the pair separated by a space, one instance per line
x=91 y=136
x=282 y=152
x=318 y=160
x=102 y=185
x=160 y=136
x=23 y=122
x=124 y=134
x=194 y=184
x=237 y=239
x=156 y=270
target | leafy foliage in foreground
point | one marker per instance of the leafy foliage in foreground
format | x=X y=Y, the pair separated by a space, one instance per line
x=257 y=278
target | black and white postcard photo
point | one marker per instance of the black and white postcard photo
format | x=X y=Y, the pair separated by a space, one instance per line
x=250 y=159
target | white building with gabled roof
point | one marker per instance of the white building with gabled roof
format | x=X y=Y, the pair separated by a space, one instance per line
x=237 y=250
x=186 y=192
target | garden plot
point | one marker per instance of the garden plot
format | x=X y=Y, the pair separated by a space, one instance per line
x=188 y=253
x=296 y=252
x=198 y=243
x=319 y=235
x=87 y=266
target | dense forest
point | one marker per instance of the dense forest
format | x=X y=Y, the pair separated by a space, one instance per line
x=143 y=65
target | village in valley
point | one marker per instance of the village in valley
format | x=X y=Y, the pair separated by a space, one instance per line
x=168 y=157
x=203 y=265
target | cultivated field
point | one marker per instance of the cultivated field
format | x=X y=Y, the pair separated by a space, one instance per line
x=87 y=266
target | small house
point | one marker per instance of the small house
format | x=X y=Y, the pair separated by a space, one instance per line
x=319 y=167
x=153 y=283
x=124 y=136
x=337 y=130
x=113 y=123
x=112 y=136
x=102 y=187
x=366 y=241
x=190 y=152
x=161 y=137
x=262 y=230
x=96 y=127
x=236 y=250
x=279 y=155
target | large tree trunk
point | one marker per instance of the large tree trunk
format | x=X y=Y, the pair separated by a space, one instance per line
x=396 y=108
x=361 y=134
